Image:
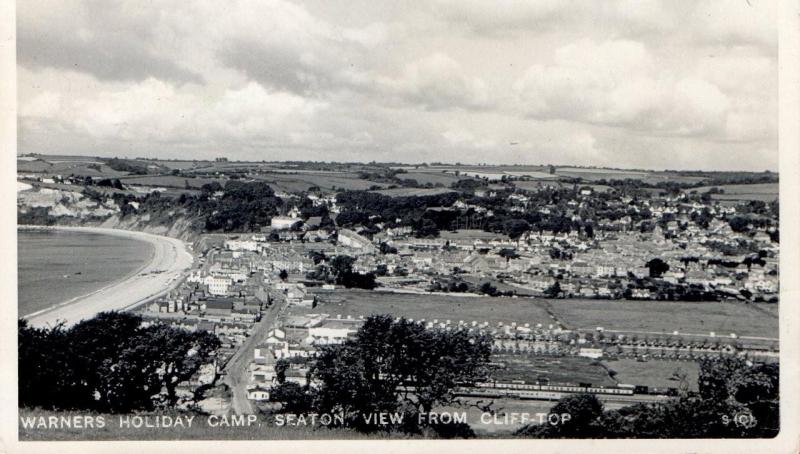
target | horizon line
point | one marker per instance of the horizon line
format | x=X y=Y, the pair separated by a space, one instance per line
x=425 y=163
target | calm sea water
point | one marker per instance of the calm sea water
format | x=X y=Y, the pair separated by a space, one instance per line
x=55 y=266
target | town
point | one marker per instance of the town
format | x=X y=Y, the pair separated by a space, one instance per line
x=614 y=286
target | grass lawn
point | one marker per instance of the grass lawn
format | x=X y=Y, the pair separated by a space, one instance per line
x=654 y=373
x=430 y=307
x=722 y=318
x=567 y=369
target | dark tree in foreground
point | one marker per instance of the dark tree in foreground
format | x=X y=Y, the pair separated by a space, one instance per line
x=110 y=363
x=374 y=371
x=735 y=400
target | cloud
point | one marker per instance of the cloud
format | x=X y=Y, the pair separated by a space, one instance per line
x=630 y=17
x=619 y=84
x=157 y=112
x=736 y=23
x=437 y=82
x=112 y=41
x=610 y=83
x=490 y=16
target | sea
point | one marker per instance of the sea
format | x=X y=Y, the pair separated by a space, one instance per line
x=57 y=266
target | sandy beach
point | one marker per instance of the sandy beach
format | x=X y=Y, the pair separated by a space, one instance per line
x=170 y=261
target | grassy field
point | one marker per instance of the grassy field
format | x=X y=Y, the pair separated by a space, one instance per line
x=765 y=192
x=541 y=174
x=430 y=307
x=170 y=181
x=181 y=165
x=568 y=369
x=654 y=373
x=302 y=181
x=407 y=192
x=430 y=177
x=663 y=316
x=591 y=174
x=83 y=168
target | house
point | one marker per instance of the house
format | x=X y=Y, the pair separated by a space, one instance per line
x=593 y=353
x=263 y=354
x=580 y=268
x=332 y=331
x=313 y=222
x=282 y=222
x=541 y=283
x=698 y=277
x=351 y=239
x=241 y=245
x=605 y=270
x=297 y=295
x=220 y=307
x=218 y=285
x=257 y=393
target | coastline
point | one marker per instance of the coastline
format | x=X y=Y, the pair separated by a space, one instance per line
x=167 y=265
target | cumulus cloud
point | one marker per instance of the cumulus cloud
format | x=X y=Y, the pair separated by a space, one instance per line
x=600 y=83
x=736 y=23
x=158 y=112
x=112 y=41
x=618 y=83
x=437 y=82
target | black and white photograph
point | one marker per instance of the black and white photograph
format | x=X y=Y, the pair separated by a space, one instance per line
x=371 y=220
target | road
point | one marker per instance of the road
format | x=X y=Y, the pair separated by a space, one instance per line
x=237 y=371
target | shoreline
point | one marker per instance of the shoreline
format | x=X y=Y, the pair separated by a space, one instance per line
x=169 y=261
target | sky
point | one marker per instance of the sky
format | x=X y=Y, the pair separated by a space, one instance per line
x=674 y=84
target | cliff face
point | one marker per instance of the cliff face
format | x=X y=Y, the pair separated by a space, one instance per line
x=45 y=206
x=181 y=227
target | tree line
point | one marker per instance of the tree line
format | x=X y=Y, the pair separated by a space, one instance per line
x=110 y=363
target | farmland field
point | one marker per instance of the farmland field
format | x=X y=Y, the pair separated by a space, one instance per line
x=542 y=175
x=429 y=177
x=300 y=181
x=654 y=373
x=181 y=165
x=658 y=317
x=430 y=307
x=591 y=174
x=408 y=192
x=82 y=168
x=170 y=181
x=765 y=192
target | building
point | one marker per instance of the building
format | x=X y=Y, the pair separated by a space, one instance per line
x=219 y=307
x=242 y=245
x=282 y=222
x=333 y=331
x=218 y=285
x=351 y=239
